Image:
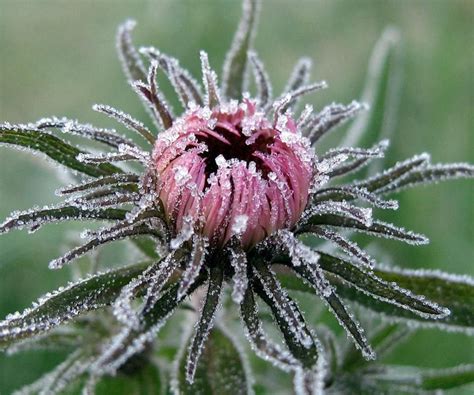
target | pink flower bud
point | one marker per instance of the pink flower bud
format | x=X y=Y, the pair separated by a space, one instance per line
x=231 y=172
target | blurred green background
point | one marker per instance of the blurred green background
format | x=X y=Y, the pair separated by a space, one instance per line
x=58 y=58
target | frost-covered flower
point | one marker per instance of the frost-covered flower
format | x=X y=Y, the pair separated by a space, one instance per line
x=226 y=190
x=229 y=172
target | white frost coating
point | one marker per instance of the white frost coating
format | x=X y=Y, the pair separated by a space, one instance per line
x=305 y=116
x=349 y=247
x=194 y=264
x=184 y=235
x=209 y=77
x=238 y=260
x=181 y=175
x=221 y=162
x=361 y=214
x=240 y=224
x=288 y=310
x=299 y=75
x=127 y=120
x=262 y=80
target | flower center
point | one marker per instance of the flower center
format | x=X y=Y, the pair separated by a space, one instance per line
x=231 y=145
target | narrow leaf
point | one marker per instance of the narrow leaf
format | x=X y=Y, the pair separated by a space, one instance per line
x=131 y=63
x=350 y=281
x=221 y=369
x=66 y=303
x=429 y=175
x=290 y=320
x=235 y=65
x=205 y=323
x=129 y=341
x=381 y=91
x=376 y=228
x=53 y=147
x=35 y=218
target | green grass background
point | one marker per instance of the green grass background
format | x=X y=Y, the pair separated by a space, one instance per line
x=58 y=58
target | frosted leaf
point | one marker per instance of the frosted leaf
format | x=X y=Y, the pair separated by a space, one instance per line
x=391 y=176
x=297 y=251
x=234 y=72
x=184 y=235
x=209 y=78
x=154 y=278
x=130 y=342
x=65 y=125
x=359 y=163
x=326 y=165
x=305 y=116
x=262 y=80
x=377 y=228
x=125 y=232
x=263 y=347
x=430 y=174
x=361 y=214
x=153 y=101
x=184 y=84
x=347 y=192
x=309 y=381
x=357 y=152
x=115 y=179
x=299 y=76
x=205 y=322
x=105 y=157
x=238 y=261
x=349 y=247
x=301 y=91
x=103 y=198
x=51 y=309
x=389 y=292
x=34 y=218
x=316 y=279
x=331 y=116
x=131 y=63
x=125 y=119
x=26 y=138
x=194 y=265
x=286 y=308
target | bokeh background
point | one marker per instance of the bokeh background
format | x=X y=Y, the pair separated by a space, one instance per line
x=58 y=58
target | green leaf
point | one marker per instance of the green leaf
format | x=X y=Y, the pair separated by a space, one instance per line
x=132 y=340
x=236 y=62
x=292 y=325
x=447 y=378
x=381 y=92
x=384 y=338
x=132 y=64
x=52 y=146
x=453 y=292
x=381 y=292
x=401 y=380
x=388 y=292
x=135 y=380
x=36 y=218
x=220 y=371
x=66 y=303
x=429 y=175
